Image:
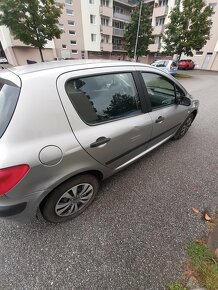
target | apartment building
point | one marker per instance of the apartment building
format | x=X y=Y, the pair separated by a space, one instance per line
x=207 y=58
x=17 y=53
x=93 y=28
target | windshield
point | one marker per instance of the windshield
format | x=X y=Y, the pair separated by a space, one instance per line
x=8 y=100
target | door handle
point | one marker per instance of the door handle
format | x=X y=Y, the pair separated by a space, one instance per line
x=160 y=119
x=100 y=141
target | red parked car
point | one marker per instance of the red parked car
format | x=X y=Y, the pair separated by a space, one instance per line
x=186 y=64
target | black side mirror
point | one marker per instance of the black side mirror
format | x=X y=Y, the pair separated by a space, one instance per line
x=185 y=101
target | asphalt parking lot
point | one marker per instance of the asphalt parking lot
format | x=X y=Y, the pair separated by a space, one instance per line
x=134 y=235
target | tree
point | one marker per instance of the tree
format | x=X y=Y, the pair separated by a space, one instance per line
x=145 y=31
x=189 y=27
x=33 y=22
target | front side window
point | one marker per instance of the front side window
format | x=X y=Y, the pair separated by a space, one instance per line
x=161 y=91
x=105 y=97
x=8 y=100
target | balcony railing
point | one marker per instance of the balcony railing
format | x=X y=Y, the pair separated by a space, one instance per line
x=118 y=47
x=106 y=47
x=106 y=11
x=160 y=11
x=122 y=16
x=118 y=32
x=158 y=29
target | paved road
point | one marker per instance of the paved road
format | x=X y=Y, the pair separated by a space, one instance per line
x=134 y=235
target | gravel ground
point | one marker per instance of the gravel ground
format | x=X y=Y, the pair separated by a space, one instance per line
x=134 y=235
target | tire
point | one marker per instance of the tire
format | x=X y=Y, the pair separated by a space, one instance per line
x=184 y=128
x=70 y=199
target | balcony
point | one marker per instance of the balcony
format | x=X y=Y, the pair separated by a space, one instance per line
x=119 y=47
x=123 y=17
x=158 y=29
x=160 y=11
x=106 y=47
x=154 y=47
x=106 y=29
x=106 y=11
x=118 y=32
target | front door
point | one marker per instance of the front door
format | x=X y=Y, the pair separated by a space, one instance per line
x=167 y=116
x=106 y=115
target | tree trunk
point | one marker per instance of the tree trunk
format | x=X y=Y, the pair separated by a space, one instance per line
x=40 y=50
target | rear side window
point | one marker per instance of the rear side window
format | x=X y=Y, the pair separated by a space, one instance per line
x=104 y=97
x=174 y=64
x=8 y=99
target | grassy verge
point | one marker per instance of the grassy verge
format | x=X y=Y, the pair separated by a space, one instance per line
x=182 y=76
x=204 y=265
x=176 y=286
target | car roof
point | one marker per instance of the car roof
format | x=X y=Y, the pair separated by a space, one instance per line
x=71 y=65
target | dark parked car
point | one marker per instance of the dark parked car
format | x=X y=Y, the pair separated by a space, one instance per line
x=186 y=64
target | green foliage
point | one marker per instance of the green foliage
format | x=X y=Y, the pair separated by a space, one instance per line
x=145 y=32
x=175 y=286
x=33 y=22
x=189 y=27
x=205 y=265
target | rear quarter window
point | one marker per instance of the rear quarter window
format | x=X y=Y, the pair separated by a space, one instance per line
x=9 y=94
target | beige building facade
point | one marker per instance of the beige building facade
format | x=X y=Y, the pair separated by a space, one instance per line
x=207 y=57
x=95 y=29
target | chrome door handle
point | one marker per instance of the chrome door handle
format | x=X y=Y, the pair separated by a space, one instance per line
x=160 y=119
x=100 y=141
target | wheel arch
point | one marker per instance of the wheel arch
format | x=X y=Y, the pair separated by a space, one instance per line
x=96 y=173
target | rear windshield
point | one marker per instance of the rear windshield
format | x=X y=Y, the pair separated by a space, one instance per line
x=9 y=94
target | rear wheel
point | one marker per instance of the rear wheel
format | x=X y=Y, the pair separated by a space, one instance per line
x=70 y=199
x=184 y=128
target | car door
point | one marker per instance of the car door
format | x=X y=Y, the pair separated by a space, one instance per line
x=167 y=115
x=106 y=113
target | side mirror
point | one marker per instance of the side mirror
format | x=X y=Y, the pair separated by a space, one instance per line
x=184 y=101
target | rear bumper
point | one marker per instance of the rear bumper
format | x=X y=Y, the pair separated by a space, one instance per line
x=22 y=210
x=10 y=210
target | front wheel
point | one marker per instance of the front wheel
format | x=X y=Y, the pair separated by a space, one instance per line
x=184 y=128
x=70 y=199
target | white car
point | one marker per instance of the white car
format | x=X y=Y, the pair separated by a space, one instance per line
x=3 y=60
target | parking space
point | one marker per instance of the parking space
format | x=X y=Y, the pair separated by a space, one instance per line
x=134 y=235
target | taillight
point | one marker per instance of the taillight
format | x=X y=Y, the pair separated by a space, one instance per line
x=10 y=176
x=171 y=66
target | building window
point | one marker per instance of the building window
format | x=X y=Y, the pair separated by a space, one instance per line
x=69 y=12
x=74 y=51
x=105 y=39
x=71 y=22
x=64 y=46
x=93 y=37
x=92 y=19
x=105 y=3
x=69 y=2
x=118 y=10
x=213 y=7
x=198 y=52
x=160 y=21
x=73 y=42
x=72 y=32
x=91 y=1
x=163 y=2
x=61 y=26
x=104 y=21
x=118 y=24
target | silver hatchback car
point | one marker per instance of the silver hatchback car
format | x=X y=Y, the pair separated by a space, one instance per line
x=65 y=126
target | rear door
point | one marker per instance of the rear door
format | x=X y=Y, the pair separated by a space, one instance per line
x=106 y=113
x=166 y=115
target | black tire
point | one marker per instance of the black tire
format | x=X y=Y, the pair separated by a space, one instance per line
x=184 y=127
x=55 y=199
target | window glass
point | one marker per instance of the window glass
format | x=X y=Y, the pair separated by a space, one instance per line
x=161 y=92
x=8 y=100
x=104 y=97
